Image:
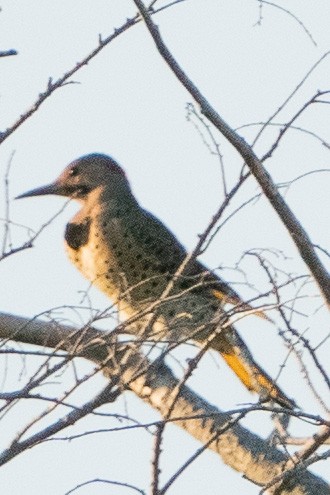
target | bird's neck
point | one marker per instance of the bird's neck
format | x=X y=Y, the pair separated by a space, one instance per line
x=115 y=201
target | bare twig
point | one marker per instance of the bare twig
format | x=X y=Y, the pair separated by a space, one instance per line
x=29 y=244
x=107 y=482
x=291 y=95
x=191 y=111
x=8 y=53
x=156 y=458
x=313 y=99
x=6 y=236
x=64 y=80
x=20 y=446
x=294 y=127
x=272 y=4
x=198 y=452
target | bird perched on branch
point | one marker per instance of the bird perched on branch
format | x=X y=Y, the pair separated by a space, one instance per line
x=135 y=260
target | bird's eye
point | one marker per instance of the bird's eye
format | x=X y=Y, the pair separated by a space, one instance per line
x=73 y=171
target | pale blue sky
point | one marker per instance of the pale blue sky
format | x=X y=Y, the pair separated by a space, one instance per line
x=129 y=105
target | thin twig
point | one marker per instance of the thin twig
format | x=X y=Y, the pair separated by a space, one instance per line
x=64 y=80
x=8 y=53
x=272 y=4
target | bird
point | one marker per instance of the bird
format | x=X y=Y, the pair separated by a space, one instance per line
x=135 y=260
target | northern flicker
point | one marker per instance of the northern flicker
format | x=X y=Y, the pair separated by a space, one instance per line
x=132 y=257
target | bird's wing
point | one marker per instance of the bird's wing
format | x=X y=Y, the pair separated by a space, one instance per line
x=222 y=291
x=167 y=253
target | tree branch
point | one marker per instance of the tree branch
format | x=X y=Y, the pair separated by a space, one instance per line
x=156 y=385
x=64 y=80
x=7 y=53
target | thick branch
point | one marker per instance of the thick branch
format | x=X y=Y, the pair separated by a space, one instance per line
x=295 y=229
x=156 y=385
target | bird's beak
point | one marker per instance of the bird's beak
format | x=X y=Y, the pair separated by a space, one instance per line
x=53 y=188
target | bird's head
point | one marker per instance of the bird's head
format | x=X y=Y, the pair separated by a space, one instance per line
x=83 y=176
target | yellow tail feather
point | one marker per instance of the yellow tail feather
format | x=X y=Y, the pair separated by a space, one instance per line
x=255 y=379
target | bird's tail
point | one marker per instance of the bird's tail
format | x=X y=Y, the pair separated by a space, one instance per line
x=239 y=359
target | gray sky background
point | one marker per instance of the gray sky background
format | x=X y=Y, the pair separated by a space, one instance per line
x=129 y=105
